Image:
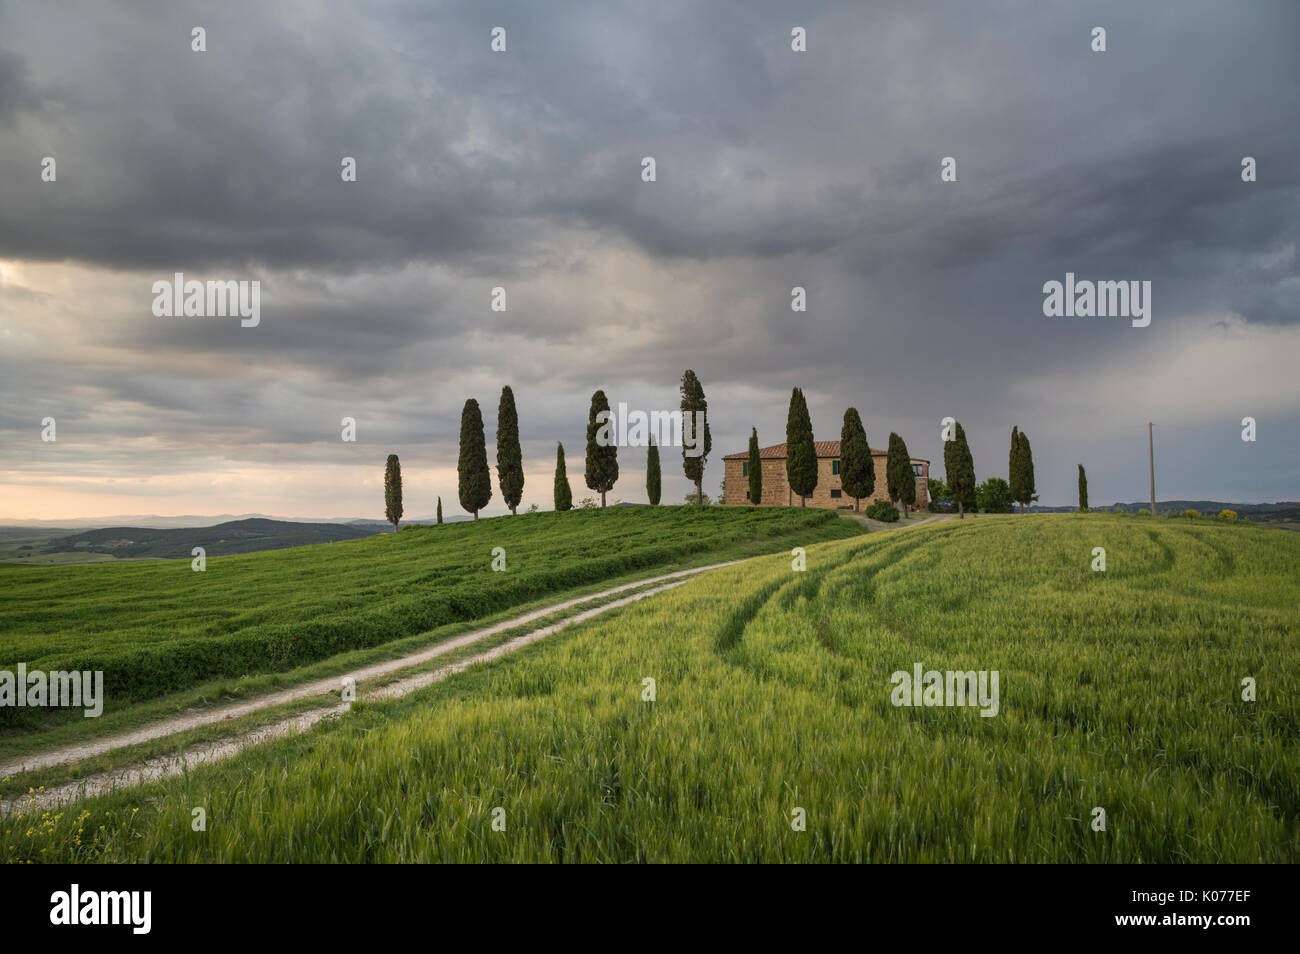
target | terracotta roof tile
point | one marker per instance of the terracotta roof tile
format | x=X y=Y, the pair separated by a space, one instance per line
x=823 y=448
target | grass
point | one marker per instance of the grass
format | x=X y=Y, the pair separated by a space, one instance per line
x=231 y=727
x=219 y=692
x=159 y=628
x=1119 y=690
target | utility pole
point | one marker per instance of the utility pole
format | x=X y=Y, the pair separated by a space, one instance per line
x=1151 y=450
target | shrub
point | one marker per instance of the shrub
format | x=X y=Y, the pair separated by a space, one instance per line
x=993 y=496
x=1227 y=515
x=1144 y=512
x=883 y=511
x=1191 y=513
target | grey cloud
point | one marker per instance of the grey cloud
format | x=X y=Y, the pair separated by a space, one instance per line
x=775 y=169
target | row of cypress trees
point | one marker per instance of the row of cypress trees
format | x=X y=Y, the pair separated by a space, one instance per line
x=959 y=469
x=474 y=478
x=857 y=469
x=600 y=473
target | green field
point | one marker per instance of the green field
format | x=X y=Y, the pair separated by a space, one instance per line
x=1119 y=689
x=159 y=627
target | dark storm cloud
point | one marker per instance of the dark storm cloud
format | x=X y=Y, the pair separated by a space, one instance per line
x=774 y=169
x=230 y=158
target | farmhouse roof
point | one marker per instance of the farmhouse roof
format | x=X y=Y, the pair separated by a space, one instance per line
x=823 y=448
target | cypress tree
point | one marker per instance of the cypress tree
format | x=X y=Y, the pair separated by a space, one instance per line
x=393 y=491
x=857 y=469
x=472 y=467
x=898 y=474
x=959 y=468
x=755 y=470
x=653 y=476
x=800 y=450
x=1013 y=464
x=1027 y=489
x=1083 y=490
x=510 y=459
x=695 y=407
x=439 y=510
x=602 y=454
x=563 y=495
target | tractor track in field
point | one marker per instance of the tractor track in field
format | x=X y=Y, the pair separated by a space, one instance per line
x=84 y=750
x=203 y=753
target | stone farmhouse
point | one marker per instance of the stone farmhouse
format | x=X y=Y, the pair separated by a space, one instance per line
x=829 y=494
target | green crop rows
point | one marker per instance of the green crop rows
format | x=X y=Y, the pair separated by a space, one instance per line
x=1119 y=689
x=158 y=627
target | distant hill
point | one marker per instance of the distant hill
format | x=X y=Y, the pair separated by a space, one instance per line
x=235 y=536
x=154 y=522
x=1281 y=512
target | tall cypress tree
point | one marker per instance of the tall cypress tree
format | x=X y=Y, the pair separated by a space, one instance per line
x=695 y=407
x=602 y=455
x=959 y=469
x=1013 y=464
x=472 y=467
x=653 y=476
x=1026 y=458
x=800 y=449
x=898 y=474
x=755 y=469
x=1083 y=490
x=439 y=510
x=857 y=469
x=393 y=491
x=563 y=495
x=510 y=459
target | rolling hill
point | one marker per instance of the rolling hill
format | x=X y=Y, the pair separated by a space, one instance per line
x=773 y=732
x=224 y=539
x=155 y=627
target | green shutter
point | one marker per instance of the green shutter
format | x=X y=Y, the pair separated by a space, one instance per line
x=744 y=469
x=835 y=467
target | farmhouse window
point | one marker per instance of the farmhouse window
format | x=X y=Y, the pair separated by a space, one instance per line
x=835 y=467
x=836 y=494
x=744 y=469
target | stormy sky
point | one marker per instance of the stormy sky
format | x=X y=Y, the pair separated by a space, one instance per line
x=522 y=169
